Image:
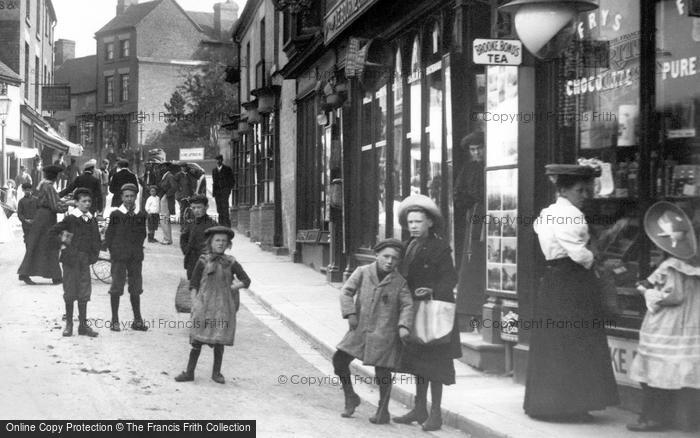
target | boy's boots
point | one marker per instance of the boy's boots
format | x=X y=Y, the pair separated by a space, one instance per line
x=83 y=328
x=136 y=307
x=218 y=358
x=114 y=301
x=352 y=400
x=382 y=415
x=188 y=376
x=68 y=331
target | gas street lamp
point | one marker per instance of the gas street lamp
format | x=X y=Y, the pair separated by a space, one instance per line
x=5 y=102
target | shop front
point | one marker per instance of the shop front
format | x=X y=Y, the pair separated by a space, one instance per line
x=623 y=95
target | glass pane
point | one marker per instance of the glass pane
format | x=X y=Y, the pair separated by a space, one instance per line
x=398 y=143
x=435 y=136
x=501 y=218
x=502 y=103
x=380 y=148
x=416 y=126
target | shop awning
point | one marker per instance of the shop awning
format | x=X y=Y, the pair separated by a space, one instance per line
x=20 y=152
x=53 y=139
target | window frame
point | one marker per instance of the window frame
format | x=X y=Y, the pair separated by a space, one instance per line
x=124 y=90
x=109 y=90
x=109 y=51
x=124 y=48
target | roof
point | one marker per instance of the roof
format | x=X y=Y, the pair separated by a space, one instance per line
x=8 y=74
x=205 y=20
x=80 y=73
x=245 y=17
x=131 y=16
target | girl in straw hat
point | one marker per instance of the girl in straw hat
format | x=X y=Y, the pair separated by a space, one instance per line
x=668 y=356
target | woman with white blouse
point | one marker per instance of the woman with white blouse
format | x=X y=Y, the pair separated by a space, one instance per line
x=569 y=370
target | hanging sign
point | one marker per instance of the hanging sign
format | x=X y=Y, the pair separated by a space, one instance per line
x=497 y=52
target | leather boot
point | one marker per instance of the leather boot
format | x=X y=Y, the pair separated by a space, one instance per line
x=352 y=400
x=84 y=329
x=188 y=376
x=68 y=331
x=419 y=413
x=382 y=415
x=216 y=370
x=136 y=307
x=434 y=421
x=114 y=302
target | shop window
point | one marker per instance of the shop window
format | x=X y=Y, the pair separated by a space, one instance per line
x=311 y=191
x=415 y=135
x=398 y=142
x=242 y=169
x=599 y=113
x=264 y=160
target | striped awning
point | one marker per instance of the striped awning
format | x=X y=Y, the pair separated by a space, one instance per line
x=54 y=140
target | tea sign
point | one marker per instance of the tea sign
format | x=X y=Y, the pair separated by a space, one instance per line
x=497 y=52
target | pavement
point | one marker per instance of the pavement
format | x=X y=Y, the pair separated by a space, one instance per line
x=272 y=374
x=479 y=404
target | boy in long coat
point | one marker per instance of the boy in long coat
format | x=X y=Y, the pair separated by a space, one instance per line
x=377 y=303
x=124 y=240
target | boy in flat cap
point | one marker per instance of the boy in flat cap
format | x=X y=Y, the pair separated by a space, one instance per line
x=80 y=238
x=192 y=239
x=124 y=240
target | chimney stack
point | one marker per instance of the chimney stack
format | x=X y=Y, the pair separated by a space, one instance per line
x=225 y=15
x=63 y=51
x=122 y=5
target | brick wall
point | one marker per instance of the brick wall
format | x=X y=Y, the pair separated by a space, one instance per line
x=288 y=163
x=167 y=33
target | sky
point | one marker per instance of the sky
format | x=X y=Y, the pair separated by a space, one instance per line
x=78 y=20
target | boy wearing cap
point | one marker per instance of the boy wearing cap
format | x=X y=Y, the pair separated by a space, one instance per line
x=26 y=209
x=192 y=239
x=124 y=240
x=80 y=237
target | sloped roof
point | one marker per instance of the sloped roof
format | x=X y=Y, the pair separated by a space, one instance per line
x=8 y=74
x=131 y=16
x=80 y=73
x=205 y=20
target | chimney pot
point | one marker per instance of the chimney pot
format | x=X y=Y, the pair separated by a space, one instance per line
x=63 y=51
x=123 y=5
x=225 y=15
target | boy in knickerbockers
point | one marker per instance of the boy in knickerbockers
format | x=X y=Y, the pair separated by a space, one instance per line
x=124 y=240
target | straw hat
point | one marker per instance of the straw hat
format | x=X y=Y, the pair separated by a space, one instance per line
x=671 y=230
x=423 y=202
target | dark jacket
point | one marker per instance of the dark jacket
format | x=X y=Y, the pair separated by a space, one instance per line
x=86 y=239
x=185 y=183
x=120 y=178
x=26 y=210
x=89 y=181
x=169 y=185
x=125 y=235
x=192 y=240
x=223 y=181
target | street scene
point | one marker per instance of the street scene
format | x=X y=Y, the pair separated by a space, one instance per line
x=337 y=217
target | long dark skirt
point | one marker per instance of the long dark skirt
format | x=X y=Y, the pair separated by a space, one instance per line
x=432 y=362
x=569 y=369
x=41 y=258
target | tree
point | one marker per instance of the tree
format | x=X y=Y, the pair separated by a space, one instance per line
x=197 y=109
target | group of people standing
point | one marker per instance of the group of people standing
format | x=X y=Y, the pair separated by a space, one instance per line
x=569 y=370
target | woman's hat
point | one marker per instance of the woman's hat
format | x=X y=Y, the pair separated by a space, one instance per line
x=671 y=230
x=219 y=229
x=52 y=171
x=88 y=164
x=424 y=203
x=473 y=138
x=389 y=243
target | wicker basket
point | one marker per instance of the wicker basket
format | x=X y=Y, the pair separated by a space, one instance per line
x=183 y=300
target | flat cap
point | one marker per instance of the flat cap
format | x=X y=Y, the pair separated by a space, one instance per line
x=572 y=170
x=389 y=243
x=81 y=191
x=199 y=199
x=219 y=229
x=130 y=186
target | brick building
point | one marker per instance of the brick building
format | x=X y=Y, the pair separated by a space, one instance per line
x=26 y=48
x=143 y=54
x=77 y=124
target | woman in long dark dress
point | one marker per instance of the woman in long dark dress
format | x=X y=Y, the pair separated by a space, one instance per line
x=569 y=370
x=41 y=257
x=429 y=271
